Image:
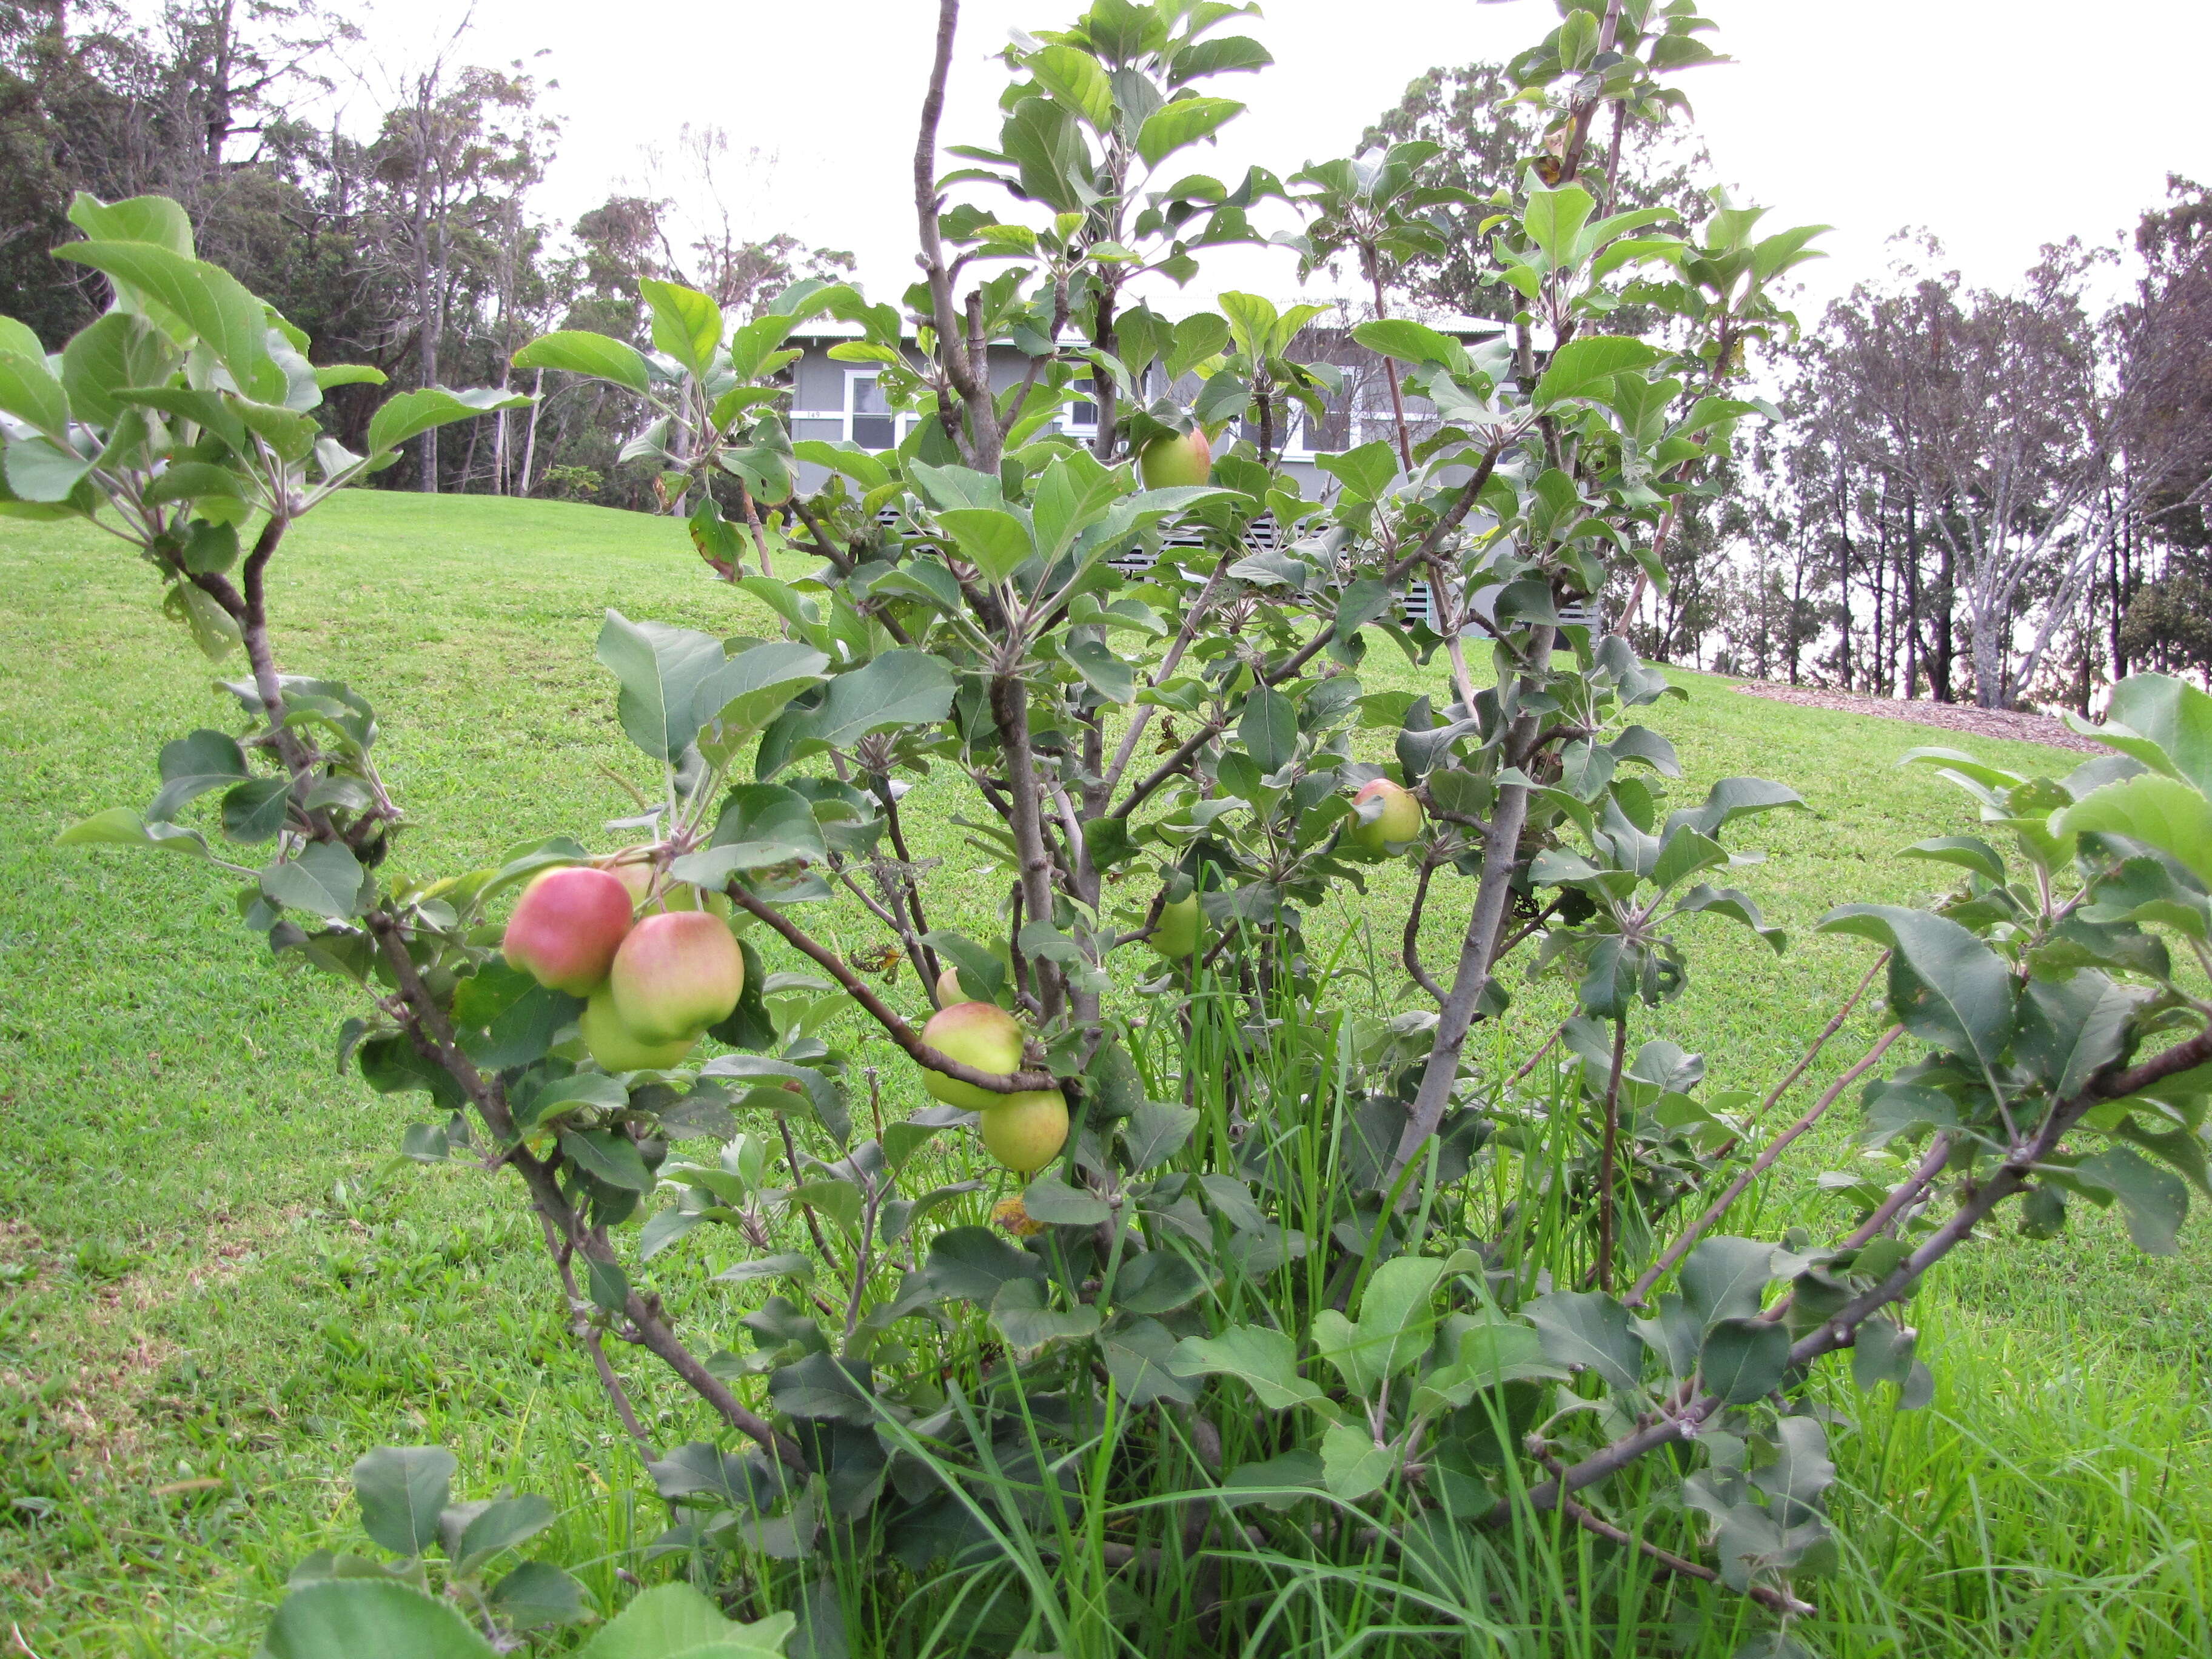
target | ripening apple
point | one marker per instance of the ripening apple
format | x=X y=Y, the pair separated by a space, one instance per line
x=678 y=972
x=1185 y=459
x=978 y=1034
x=1176 y=934
x=1025 y=1131
x=618 y=1048
x=1400 y=821
x=567 y=928
x=948 y=988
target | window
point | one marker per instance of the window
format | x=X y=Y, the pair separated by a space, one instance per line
x=870 y=422
x=1081 y=416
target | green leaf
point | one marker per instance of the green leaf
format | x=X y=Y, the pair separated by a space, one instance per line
x=1269 y=729
x=325 y=880
x=1724 y=1279
x=1585 y=368
x=610 y=1157
x=1945 y=985
x=582 y=353
x=412 y=412
x=1744 y=1359
x=993 y=540
x=1263 y=1360
x=485 y=1529
x=210 y=303
x=1554 y=218
x=1183 y=122
x=1155 y=1282
x=661 y=669
x=748 y=691
x=255 y=811
x=2155 y=1201
x=29 y=394
x=1352 y=1464
x=160 y=220
x=194 y=481
x=368 y=1619
x=2158 y=812
x=686 y=324
x=2170 y=712
x=191 y=766
x=1365 y=473
x=2074 y=1028
x=1967 y=852
x=117 y=351
x=971 y=1264
x=402 y=1491
x=1109 y=675
x=1074 y=78
x=537 y=1593
x=40 y=470
x=1587 y=1330
x=1024 y=1313
x=1395 y=1322
x=826 y=1389
x=1410 y=342
x=670 y=1620
x=899 y=687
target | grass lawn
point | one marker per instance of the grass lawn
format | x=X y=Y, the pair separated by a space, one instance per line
x=217 y=1291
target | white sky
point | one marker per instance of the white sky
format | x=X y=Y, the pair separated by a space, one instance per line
x=1999 y=127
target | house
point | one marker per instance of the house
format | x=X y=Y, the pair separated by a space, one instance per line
x=839 y=401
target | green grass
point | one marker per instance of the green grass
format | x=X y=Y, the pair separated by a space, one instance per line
x=217 y=1291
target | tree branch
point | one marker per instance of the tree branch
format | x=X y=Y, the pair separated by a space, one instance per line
x=998 y=1083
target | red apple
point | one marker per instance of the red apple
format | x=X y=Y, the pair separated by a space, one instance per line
x=1167 y=462
x=567 y=928
x=978 y=1034
x=618 y=1048
x=678 y=972
x=1025 y=1131
x=1399 y=821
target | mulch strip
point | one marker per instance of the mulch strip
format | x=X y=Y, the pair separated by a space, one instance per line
x=1952 y=716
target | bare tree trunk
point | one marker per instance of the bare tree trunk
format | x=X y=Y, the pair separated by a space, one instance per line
x=529 y=433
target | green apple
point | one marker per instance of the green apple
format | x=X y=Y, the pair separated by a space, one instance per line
x=678 y=972
x=1399 y=821
x=618 y=1048
x=568 y=927
x=1025 y=1131
x=978 y=1034
x=1167 y=462
x=1176 y=934
x=948 y=988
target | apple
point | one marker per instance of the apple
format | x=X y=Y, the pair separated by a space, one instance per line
x=948 y=988
x=978 y=1034
x=1400 y=820
x=567 y=928
x=1176 y=934
x=1166 y=462
x=1025 y=1131
x=618 y=1048
x=678 y=972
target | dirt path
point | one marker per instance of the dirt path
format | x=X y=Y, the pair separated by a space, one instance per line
x=1955 y=717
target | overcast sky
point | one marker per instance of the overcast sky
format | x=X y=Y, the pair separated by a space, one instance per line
x=1998 y=127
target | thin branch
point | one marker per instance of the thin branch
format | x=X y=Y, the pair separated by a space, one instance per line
x=899 y=1032
x=1760 y=1166
x=1609 y=1153
x=1776 y=1601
